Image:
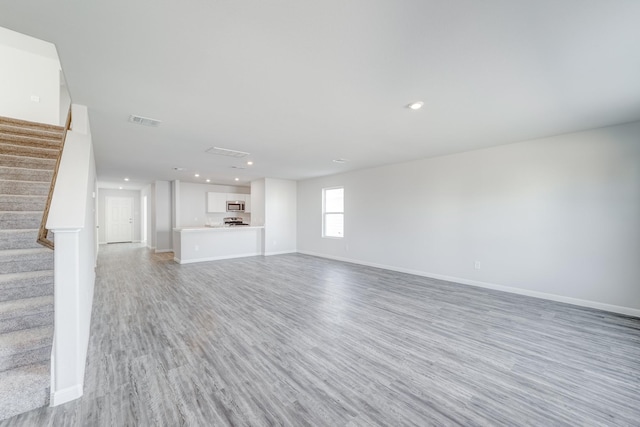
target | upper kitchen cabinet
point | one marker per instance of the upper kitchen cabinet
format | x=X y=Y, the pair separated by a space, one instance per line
x=216 y=202
x=236 y=197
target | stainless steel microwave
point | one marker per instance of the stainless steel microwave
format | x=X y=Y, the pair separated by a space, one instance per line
x=235 y=206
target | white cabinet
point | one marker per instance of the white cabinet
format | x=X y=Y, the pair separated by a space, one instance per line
x=247 y=203
x=236 y=197
x=216 y=202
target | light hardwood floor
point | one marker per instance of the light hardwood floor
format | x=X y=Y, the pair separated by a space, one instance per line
x=302 y=341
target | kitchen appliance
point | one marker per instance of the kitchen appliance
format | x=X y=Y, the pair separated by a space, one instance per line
x=234 y=221
x=235 y=206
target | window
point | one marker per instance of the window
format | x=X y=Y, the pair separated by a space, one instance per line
x=333 y=212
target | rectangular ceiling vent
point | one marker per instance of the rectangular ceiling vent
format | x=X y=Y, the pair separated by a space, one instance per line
x=145 y=121
x=227 y=152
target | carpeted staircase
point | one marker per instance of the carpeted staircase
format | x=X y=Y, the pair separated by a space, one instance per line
x=28 y=155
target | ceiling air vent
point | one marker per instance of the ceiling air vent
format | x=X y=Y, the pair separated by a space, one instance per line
x=145 y=121
x=226 y=152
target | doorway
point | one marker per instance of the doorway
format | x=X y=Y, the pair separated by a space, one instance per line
x=119 y=219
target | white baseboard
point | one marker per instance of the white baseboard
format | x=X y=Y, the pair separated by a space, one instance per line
x=280 y=253
x=191 y=261
x=542 y=295
x=162 y=251
x=65 y=395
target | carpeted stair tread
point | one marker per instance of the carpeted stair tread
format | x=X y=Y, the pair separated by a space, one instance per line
x=28 y=284
x=19 y=239
x=18 y=150
x=24 y=306
x=25 y=347
x=24 y=174
x=20 y=219
x=22 y=260
x=22 y=202
x=27 y=339
x=38 y=131
x=26 y=313
x=10 y=121
x=27 y=162
x=24 y=389
x=24 y=188
x=30 y=141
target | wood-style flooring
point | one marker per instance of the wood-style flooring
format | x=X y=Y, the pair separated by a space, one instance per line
x=302 y=341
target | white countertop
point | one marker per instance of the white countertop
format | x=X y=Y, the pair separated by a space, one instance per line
x=217 y=228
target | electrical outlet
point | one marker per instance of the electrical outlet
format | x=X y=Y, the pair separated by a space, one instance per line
x=476 y=265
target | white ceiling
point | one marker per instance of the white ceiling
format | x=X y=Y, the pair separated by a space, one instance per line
x=298 y=84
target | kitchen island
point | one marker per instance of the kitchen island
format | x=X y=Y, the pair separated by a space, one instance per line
x=197 y=244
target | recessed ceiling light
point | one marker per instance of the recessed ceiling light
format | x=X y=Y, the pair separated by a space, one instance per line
x=341 y=160
x=237 y=179
x=119 y=188
x=250 y=163
x=415 y=105
x=197 y=175
x=126 y=179
x=208 y=180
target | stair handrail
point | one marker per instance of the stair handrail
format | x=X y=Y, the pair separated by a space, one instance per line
x=43 y=232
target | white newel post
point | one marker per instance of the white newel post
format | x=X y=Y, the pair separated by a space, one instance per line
x=68 y=365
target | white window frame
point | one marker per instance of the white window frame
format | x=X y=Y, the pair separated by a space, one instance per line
x=325 y=213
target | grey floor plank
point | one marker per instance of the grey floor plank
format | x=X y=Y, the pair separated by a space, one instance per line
x=296 y=340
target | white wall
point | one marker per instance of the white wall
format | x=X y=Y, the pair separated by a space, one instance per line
x=280 y=214
x=103 y=193
x=556 y=217
x=163 y=217
x=29 y=67
x=192 y=204
x=257 y=202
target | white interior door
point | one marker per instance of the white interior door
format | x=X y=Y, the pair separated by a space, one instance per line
x=119 y=219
